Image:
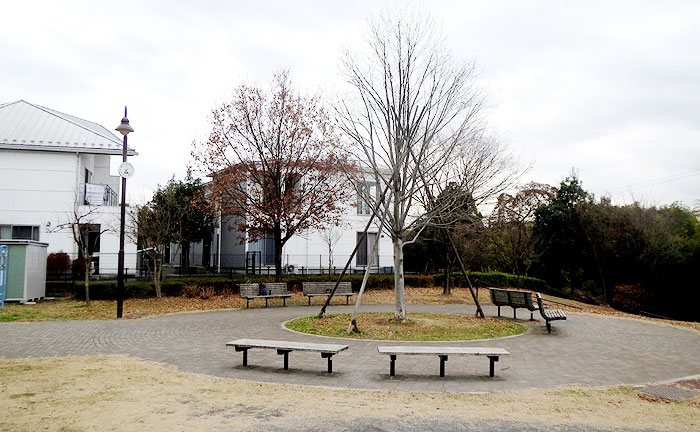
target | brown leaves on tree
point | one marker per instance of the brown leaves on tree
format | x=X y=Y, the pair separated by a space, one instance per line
x=275 y=162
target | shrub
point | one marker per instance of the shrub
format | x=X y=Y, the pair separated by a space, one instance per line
x=627 y=298
x=57 y=262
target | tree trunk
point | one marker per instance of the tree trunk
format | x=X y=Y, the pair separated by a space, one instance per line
x=278 y=252
x=400 y=313
x=88 y=264
x=157 y=276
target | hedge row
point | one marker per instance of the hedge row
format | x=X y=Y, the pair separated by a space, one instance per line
x=107 y=290
x=496 y=279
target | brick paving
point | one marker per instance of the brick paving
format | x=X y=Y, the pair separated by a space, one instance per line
x=585 y=349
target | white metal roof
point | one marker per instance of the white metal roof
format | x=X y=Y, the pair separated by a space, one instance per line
x=26 y=126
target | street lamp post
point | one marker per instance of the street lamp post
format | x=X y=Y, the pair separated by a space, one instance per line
x=125 y=171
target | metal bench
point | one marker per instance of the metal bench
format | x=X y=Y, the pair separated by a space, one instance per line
x=513 y=298
x=267 y=291
x=442 y=352
x=549 y=314
x=284 y=348
x=312 y=289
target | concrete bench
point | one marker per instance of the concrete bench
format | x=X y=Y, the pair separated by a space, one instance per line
x=267 y=290
x=284 y=348
x=549 y=314
x=441 y=351
x=312 y=289
x=513 y=298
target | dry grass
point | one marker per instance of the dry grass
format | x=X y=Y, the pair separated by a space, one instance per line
x=124 y=393
x=418 y=327
x=65 y=309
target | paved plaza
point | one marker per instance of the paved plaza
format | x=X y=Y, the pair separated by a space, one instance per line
x=586 y=349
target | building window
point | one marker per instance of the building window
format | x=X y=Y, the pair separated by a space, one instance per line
x=25 y=232
x=365 y=250
x=366 y=197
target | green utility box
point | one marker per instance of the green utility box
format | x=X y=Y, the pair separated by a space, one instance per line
x=25 y=273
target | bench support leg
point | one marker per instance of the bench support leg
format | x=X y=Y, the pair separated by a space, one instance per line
x=309 y=300
x=443 y=359
x=329 y=356
x=284 y=301
x=347 y=300
x=246 y=303
x=532 y=318
x=265 y=301
x=491 y=368
x=549 y=327
x=392 y=365
x=245 y=354
x=499 y=310
x=514 y=313
x=286 y=357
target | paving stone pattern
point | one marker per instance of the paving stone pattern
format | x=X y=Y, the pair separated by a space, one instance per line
x=585 y=349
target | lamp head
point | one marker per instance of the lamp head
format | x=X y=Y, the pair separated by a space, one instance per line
x=124 y=127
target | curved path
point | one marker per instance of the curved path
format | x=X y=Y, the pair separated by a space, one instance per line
x=586 y=349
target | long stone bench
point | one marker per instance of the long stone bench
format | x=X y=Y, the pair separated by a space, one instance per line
x=266 y=290
x=549 y=314
x=441 y=351
x=513 y=298
x=312 y=289
x=284 y=348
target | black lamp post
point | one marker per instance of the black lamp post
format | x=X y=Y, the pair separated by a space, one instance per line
x=125 y=171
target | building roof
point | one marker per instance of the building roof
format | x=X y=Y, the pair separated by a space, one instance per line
x=26 y=126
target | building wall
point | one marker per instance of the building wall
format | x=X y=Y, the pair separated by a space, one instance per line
x=40 y=188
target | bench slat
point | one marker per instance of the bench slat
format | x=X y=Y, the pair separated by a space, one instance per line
x=440 y=350
x=285 y=345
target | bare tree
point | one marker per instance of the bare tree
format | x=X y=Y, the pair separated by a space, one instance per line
x=275 y=164
x=83 y=224
x=415 y=110
x=330 y=235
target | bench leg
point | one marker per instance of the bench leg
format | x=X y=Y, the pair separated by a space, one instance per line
x=443 y=359
x=549 y=327
x=284 y=301
x=246 y=303
x=392 y=365
x=532 y=318
x=309 y=300
x=329 y=356
x=245 y=354
x=514 y=313
x=286 y=357
x=491 y=368
x=347 y=300
x=265 y=301
x=499 y=310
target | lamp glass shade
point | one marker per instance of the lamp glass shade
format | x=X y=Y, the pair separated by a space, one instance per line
x=124 y=128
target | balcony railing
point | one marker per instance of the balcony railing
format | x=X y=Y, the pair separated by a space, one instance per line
x=99 y=195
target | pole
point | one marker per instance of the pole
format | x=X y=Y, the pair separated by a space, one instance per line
x=120 y=261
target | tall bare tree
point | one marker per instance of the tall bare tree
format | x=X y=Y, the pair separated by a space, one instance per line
x=275 y=163
x=413 y=113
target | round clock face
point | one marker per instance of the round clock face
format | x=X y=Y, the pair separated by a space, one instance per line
x=126 y=170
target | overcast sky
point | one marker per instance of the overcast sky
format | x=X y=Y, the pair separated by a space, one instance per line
x=610 y=89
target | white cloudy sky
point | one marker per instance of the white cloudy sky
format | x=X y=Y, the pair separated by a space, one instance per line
x=609 y=88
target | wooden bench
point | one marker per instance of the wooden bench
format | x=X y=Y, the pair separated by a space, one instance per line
x=284 y=348
x=441 y=351
x=271 y=290
x=312 y=289
x=513 y=298
x=549 y=314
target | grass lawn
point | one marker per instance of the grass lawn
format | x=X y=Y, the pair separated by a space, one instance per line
x=125 y=393
x=418 y=327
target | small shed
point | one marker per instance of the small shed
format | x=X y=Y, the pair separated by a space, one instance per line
x=25 y=270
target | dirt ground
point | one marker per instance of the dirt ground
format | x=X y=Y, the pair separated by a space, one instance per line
x=124 y=393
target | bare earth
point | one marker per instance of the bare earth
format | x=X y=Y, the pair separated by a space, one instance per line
x=124 y=393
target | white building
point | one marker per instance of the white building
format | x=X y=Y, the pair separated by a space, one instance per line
x=306 y=252
x=52 y=167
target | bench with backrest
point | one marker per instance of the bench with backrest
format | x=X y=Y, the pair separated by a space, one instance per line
x=266 y=290
x=312 y=289
x=549 y=314
x=513 y=298
x=441 y=351
x=284 y=348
